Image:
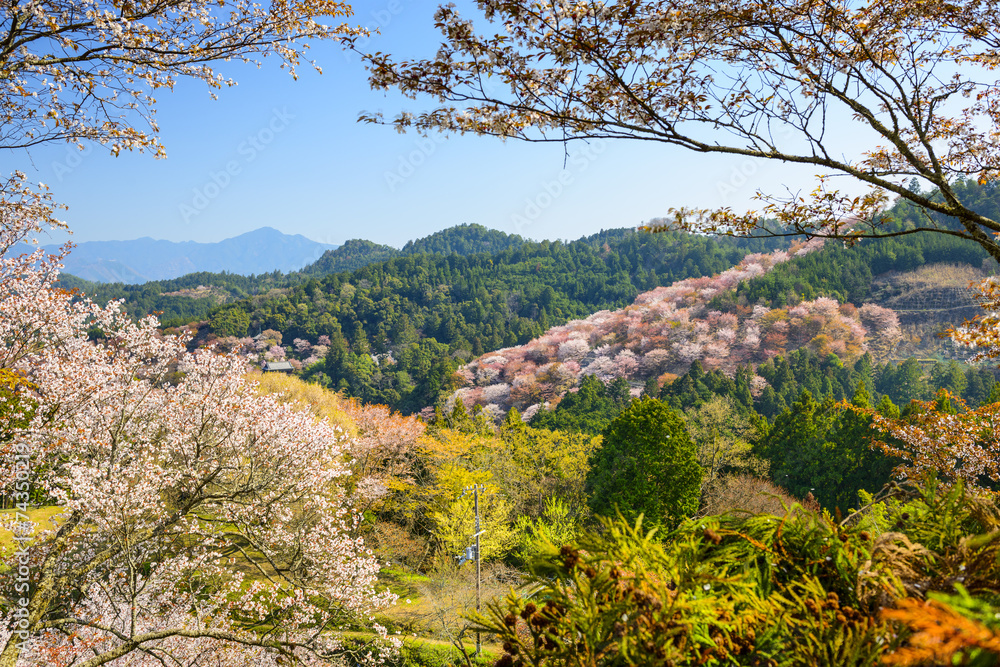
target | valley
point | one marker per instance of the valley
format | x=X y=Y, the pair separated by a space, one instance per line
x=539 y=334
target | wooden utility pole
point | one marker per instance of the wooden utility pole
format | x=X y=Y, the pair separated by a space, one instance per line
x=479 y=568
x=476 y=488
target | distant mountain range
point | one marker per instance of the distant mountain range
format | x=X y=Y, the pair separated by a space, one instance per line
x=133 y=262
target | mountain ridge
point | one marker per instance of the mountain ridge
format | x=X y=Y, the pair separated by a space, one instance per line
x=465 y=239
x=145 y=259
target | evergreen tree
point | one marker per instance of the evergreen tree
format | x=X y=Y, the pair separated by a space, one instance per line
x=903 y=383
x=588 y=410
x=825 y=449
x=651 y=388
x=646 y=464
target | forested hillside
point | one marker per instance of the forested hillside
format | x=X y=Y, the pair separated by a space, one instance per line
x=848 y=273
x=398 y=329
x=651 y=447
x=392 y=326
x=460 y=240
x=180 y=300
x=349 y=257
x=658 y=336
x=789 y=408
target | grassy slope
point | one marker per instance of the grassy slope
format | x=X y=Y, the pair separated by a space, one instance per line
x=45 y=518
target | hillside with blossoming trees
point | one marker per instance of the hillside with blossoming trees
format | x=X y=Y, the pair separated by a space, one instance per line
x=397 y=331
x=730 y=457
x=398 y=327
x=271 y=502
x=664 y=331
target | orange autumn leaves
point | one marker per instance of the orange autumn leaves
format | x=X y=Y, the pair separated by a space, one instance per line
x=939 y=634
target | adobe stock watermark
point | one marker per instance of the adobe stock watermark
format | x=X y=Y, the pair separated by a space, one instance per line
x=552 y=190
x=742 y=173
x=247 y=150
x=382 y=18
x=740 y=176
x=407 y=164
x=23 y=530
x=74 y=158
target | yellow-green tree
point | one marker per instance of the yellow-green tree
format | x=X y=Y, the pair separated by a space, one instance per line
x=724 y=439
x=539 y=464
x=453 y=513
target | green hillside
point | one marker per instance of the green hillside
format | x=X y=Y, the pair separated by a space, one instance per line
x=180 y=300
x=425 y=314
x=351 y=256
x=402 y=321
x=849 y=273
x=460 y=240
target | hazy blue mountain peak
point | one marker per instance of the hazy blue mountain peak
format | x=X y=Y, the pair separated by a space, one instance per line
x=145 y=259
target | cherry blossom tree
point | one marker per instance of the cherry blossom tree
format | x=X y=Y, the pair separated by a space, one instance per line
x=487 y=375
x=983 y=333
x=497 y=393
x=531 y=411
x=757 y=385
x=670 y=327
x=382 y=451
x=91 y=69
x=963 y=446
x=654 y=362
x=601 y=366
x=751 y=336
x=573 y=349
x=626 y=363
x=202 y=523
x=275 y=352
x=467 y=375
x=787 y=81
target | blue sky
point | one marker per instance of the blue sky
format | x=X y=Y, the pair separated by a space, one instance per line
x=290 y=155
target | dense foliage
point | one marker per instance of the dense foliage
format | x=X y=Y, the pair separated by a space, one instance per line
x=187 y=510
x=847 y=273
x=460 y=240
x=798 y=589
x=186 y=299
x=399 y=329
x=646 y=465
x=354 y=254
x=825 y=450
x=589 y=409
x=808 y=440
x=177 y=300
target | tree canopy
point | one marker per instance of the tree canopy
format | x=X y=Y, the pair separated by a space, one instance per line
x=646 y=465
x=786 y=81
x=193 y=511
x=88 y=69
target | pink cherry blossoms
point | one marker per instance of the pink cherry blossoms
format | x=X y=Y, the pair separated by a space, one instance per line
x=666 y=329
x=195 y=512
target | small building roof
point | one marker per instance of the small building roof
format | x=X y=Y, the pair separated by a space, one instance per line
x=279 y=366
